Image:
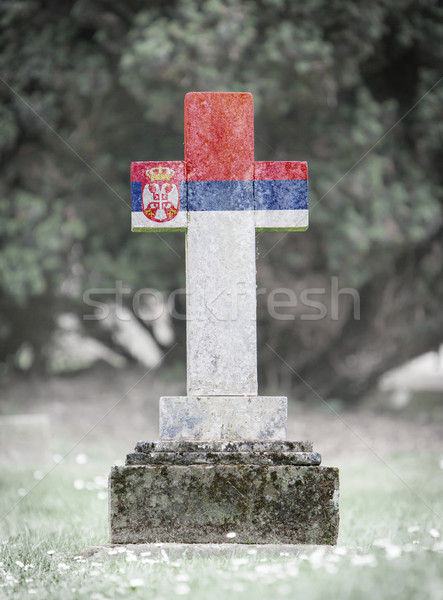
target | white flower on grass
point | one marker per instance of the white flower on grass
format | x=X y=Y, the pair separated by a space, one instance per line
x=50 y=552
x=32 y=591
x=112 y=551
x=62 y=566
x=292 y=569
x=79 y=484
x=131 y=558
x=413 y=528
x=331 y=569
x=182 y=577
x=121 y=550
x=149 y=561
x=182 y=589
x=366 y=560
x=136 y=582
x=164 y=555
x=21 y=492
x=81 y=459
x=392 y=552
x=231 y=535
x=238 y=587
x=101 y=481
x=317 y=558
x=434 y=533
x=38 y=475
x=176 y=563
x=102 y=495
x=332 y=558
x=382 y=543
x=241 y=560
x=145 y=554
x=19 y=564
x=57 y=458
x=340 y=550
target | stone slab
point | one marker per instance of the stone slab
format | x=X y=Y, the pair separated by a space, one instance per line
x=216 y=418
x=228 y=446
x=202 y=504
x=223 y=458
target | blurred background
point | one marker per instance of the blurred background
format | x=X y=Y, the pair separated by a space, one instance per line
x=350 y=87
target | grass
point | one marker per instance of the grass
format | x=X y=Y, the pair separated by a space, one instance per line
x=388 y=546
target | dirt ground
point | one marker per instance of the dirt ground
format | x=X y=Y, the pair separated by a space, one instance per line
x=104 y=411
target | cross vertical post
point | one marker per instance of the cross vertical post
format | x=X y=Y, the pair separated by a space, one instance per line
x=220 y=246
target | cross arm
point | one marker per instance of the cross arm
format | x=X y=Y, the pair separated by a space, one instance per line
x=281 y=196
x=158 y=195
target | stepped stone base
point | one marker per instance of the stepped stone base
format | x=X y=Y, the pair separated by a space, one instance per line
x=264 y=492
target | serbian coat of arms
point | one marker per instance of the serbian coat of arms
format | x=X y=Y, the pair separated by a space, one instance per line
x=159 y=189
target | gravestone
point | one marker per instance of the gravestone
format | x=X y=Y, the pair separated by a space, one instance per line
x=222 y=464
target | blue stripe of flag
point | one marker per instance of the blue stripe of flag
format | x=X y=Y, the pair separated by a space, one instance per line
x=136 y=196
x=281 y=194
x=220 y=195
x=236 y=195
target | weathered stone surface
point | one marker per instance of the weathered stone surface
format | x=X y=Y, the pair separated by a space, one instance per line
x=201 y=504
x=221 y=303
x=227 y=446
x=223 y=417
x=217 y=458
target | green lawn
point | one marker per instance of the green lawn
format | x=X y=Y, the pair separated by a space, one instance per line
x=389 y=543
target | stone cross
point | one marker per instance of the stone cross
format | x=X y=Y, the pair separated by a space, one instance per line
x=220 y=196
x=222 y=470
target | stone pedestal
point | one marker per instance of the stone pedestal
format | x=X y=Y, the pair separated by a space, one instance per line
x=223 y=417
x=197 y=492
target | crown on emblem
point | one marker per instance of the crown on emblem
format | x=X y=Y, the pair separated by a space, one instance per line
x=161 y=173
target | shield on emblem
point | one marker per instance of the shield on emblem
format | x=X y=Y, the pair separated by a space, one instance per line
x=160 y=201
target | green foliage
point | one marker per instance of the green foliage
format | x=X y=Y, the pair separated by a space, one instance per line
x=342 y=85
x=37 y=237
